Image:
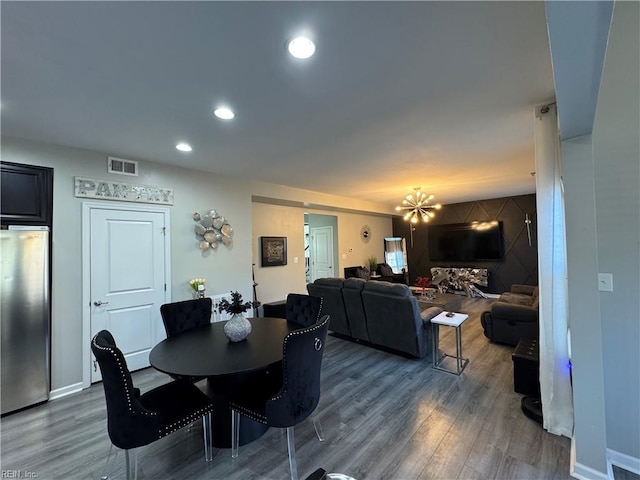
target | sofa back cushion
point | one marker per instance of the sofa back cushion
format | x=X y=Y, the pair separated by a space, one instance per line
x=352 y=295
x=330 y=289
x=393 y=318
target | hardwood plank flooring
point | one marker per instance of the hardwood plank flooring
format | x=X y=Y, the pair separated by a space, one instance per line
x=384 y=417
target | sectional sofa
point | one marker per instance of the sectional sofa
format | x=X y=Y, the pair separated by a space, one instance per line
x=378 y=313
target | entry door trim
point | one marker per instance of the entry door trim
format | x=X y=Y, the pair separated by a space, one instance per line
x=86 y=269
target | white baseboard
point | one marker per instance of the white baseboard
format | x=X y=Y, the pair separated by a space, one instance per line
x=622 y=460
x=64 y=391
x=582 y=472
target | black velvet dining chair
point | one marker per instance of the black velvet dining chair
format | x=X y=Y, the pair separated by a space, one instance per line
x=286 y=403
x=134 y=419
x=180 y=317
x=303 y=310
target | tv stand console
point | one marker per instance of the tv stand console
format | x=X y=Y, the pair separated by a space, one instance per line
x=460 y=278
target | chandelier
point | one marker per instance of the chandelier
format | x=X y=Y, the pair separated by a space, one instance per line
x=416 y=205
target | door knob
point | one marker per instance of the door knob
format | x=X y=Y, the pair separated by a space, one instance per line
x=97 y=303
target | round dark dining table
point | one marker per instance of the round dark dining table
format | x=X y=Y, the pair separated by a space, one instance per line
x=206 y=352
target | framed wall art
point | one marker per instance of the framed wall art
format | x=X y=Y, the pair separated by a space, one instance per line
x=273 y=251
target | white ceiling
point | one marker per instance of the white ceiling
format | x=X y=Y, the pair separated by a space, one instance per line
x=399 y=94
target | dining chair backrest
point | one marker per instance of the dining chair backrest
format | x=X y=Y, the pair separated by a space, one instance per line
x=303 y=310
x=302 y=360
x=182 y=316
x=130 y=425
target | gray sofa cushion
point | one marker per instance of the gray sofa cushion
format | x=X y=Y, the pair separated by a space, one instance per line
x=352 y=295
x=330 y=289
x=520 y=295
x=393 y=318
x=516 y=299
x=388 y=288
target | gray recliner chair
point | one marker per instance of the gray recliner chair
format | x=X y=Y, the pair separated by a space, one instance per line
x=513 y=316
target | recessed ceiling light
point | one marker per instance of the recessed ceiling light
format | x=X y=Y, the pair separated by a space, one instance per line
x=224 y=113
x=184 y=147
x=301 y=47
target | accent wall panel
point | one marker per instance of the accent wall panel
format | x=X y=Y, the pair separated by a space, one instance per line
x=519 y=263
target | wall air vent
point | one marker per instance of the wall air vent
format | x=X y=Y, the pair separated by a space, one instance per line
x=122 y=166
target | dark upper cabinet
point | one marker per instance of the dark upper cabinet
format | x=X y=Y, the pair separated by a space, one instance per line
x=26 y=194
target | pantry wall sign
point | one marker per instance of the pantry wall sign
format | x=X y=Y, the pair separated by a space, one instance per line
x=124 y=192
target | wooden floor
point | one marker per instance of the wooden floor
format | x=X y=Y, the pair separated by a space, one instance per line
x=384 y=417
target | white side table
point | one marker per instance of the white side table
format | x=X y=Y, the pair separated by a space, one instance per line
x=454 y=321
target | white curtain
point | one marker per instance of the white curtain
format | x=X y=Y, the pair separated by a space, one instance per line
x=555 y=380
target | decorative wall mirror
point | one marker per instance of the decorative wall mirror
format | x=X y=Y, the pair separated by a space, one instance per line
x=212 y=229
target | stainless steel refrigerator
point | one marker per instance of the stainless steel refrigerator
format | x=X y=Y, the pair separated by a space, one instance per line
x=24 y=317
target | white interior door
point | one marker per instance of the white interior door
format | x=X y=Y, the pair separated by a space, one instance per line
x=321 y=252
x=127 y=281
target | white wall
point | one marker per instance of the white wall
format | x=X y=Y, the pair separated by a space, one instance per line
x=616 y=152
x=274 y=283
x=224 y=269
x=602 y=185
x=353 y=249
x=584 y=304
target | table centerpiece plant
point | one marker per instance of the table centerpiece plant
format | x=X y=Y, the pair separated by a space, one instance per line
x=238 y=328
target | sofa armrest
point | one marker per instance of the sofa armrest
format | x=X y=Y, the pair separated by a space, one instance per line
x=514 y=312
x=428 y=313
x=523 y=289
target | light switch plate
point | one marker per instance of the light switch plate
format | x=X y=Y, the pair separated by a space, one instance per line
x=605 y=282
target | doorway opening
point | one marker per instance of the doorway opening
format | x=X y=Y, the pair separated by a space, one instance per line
x=321 y=246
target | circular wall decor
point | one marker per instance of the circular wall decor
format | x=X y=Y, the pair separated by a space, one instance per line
x=212 y=229
x=365 y=233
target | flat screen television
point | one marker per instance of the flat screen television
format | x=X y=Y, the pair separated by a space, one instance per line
x=462 y=242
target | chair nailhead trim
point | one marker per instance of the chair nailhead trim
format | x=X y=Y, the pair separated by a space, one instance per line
x=175 y=426
x=320 y=311
x=124 y=379
x=286 y=339
x=248 y=413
